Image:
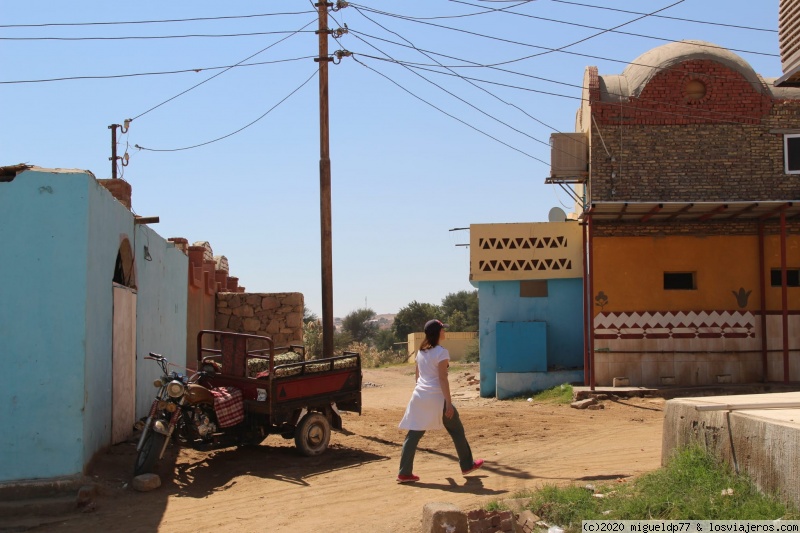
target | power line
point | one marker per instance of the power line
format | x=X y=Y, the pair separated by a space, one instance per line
x=663 y=39
x=668 y=17
x=468 y=81
x=149 y=21
x=223 y=72
x=448 y=114
x=465 y=15
x=136 y=74
x=578 y=54
x=423 y=66
x=617 y=104
x=145 y=37
x=451 y=94
x=234 y=132
x=510 y=41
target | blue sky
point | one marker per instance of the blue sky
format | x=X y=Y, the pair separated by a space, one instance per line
x=414 y=153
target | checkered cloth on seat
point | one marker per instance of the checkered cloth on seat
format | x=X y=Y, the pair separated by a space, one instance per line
x=229 y=405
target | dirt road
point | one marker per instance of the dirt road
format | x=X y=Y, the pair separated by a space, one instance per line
x=352 y=488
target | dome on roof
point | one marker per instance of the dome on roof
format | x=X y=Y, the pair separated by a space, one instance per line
x=642 y=69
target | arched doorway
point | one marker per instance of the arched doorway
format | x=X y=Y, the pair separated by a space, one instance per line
x=123 y=341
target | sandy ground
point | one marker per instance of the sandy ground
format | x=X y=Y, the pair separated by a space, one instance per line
x=352 y=487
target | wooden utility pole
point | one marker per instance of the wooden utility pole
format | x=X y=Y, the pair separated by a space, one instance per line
x=325 y=183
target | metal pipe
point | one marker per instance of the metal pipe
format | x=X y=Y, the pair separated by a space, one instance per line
x=763 y=290
x=113 y=157
x=586 y=323
x=784 y=299
x=591 y=312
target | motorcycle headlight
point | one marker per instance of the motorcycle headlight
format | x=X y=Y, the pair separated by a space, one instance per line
x=175 y=389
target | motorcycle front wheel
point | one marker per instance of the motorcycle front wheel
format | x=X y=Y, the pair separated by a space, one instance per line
x=148 y=455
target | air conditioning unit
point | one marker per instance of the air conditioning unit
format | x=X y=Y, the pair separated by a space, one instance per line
x=569 y=153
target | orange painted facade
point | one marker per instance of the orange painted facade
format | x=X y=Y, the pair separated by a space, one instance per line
x=628 y=268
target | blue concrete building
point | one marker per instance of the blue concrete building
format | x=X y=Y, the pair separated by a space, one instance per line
x=529 y=278
x=86 y=292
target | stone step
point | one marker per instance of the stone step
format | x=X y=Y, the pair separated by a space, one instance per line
x=34 y=507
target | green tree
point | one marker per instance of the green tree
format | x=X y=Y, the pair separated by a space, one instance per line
x=412 y=318
x=457 y=321
x=312 y=339
x=460 y=310
x=384 y=340
x=309 y=316
x=360 y=325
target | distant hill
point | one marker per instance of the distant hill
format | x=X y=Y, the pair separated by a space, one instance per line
x=385 y=321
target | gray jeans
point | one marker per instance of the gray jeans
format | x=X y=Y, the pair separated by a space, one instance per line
x=456 y=430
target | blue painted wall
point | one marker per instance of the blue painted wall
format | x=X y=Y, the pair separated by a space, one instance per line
x=60 y=234
x=561 y=310
x=43 y=228
x=161 y=310
x=521 y=346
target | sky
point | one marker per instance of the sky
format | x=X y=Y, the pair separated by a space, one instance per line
x=439 y=119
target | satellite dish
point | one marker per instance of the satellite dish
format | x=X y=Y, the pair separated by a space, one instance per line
x=557 y=215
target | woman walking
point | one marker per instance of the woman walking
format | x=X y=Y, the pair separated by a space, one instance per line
x=431 y=406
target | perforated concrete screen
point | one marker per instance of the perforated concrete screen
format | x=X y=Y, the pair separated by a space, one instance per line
x=547 y=250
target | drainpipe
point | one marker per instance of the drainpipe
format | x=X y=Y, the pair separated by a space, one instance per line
x=586 y=309
x=784 y=300
x=591 y=309
x=763 y=287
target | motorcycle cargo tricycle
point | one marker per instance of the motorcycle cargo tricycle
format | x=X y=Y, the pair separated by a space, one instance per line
x=245 y=389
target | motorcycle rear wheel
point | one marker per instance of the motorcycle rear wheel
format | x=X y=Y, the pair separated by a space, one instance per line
x=148 y=456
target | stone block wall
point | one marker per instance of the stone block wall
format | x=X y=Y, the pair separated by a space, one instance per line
x=276 y=315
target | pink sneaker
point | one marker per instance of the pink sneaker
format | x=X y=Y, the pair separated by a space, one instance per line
x=407 y=479
x=476 y=465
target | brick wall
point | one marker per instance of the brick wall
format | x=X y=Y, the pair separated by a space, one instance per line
x=119 y=189
x=636 y=229
x=663 y=146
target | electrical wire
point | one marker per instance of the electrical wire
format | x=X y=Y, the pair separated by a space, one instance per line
x=146 y=37
x=590 y=56
x=165 y=72
x=233 y=132
x=422 y=66
x=453 y=95
x=668 y=17
x=662 y=39
x=509 y=41
x=223 y=72
x=468 y=81
x=196 y=19
x=579 y=98
x=448 y=114
x=517 y=4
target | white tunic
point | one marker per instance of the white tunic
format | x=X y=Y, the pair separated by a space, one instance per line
x=426 y=408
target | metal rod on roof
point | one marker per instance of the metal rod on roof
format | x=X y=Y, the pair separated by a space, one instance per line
x=742 y=406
